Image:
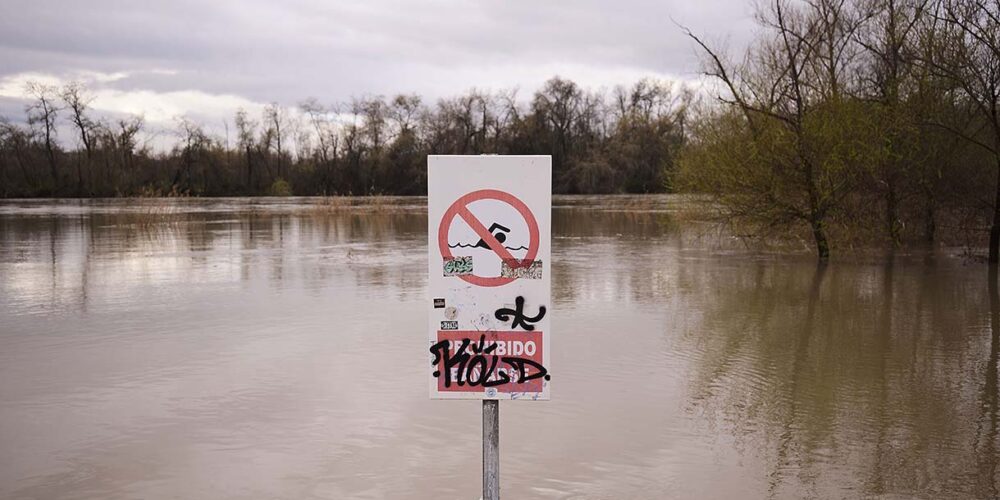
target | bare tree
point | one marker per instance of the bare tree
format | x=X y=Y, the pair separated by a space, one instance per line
x=404 y=111
x=193 y=150
x=317 y=116
x=42 y=112
x=77 y=100
x=968 y=54
x=274 y=119
x=127 y=141
x=246 y=130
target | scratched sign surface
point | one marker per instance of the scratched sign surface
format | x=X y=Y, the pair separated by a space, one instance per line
x=489 y=235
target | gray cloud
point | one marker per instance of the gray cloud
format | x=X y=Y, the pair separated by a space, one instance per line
x=264 y=51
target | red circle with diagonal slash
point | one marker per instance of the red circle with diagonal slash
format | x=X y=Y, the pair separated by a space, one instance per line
x=460 y=209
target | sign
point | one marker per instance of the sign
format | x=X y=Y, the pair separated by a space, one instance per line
x=489 y=286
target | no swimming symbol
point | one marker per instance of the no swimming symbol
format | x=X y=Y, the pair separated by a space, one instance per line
x=460 y=208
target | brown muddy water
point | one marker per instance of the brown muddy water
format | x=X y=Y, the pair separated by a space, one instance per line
x=275 y=348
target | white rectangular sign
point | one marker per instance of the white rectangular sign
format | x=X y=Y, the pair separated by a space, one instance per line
x=490 y=269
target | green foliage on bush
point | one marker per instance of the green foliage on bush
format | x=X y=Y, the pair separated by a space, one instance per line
x=280 y=187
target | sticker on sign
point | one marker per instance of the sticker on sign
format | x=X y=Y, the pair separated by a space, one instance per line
x=489 y=225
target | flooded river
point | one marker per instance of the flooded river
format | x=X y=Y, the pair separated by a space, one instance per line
x=277 y=349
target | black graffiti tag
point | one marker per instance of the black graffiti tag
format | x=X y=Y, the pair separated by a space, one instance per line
x=474 y=369
x=504 y=314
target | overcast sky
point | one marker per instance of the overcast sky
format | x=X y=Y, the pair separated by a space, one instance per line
x=205 y=59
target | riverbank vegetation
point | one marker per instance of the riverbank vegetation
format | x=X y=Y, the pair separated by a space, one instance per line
x=847 y=122
x=878 y=117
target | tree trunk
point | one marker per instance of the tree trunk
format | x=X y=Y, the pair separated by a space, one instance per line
x=822 y=246
x=52 y=165
x=250 y=188
x=892 y=213
x=995 y=228
x=29 y=180
x=4 y=183
x=930 y=226
x=79 y=177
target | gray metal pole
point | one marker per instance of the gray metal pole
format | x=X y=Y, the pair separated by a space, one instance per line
x=491 y=449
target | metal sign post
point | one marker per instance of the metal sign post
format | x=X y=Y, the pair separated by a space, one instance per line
x=491 y=449
x=489 y=279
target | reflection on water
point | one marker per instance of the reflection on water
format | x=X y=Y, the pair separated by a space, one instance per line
x=275 y=348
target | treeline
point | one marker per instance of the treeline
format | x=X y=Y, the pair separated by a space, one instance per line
x=848 y=117
x=622 y=141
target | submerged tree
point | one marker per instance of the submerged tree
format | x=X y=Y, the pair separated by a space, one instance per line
x=857 y=119
x=968 y=54
x=886 y=76
x=785 y=152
